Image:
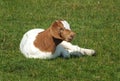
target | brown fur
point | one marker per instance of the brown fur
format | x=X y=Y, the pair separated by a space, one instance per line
x=48 y=40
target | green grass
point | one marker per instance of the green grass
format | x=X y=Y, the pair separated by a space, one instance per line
x=96 y=23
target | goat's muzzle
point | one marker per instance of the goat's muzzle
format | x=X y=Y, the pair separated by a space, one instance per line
x=70 y=37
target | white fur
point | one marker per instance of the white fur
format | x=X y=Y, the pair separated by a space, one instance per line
x=66 y=25
x=65 y=48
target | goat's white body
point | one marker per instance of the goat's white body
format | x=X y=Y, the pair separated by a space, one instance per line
x=65 y=48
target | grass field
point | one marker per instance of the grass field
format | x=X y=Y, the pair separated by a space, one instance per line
x=96 y=23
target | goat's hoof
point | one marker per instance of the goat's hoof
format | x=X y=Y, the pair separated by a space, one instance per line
x=90 y=52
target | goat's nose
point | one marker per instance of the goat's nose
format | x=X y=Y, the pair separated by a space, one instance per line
x=72 y=34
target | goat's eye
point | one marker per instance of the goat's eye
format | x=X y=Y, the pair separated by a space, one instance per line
x=62 y=29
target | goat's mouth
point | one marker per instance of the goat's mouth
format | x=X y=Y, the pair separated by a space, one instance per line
x=69 y=39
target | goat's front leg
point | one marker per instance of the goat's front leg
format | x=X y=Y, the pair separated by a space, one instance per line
x=76 y=50
x=60 y=50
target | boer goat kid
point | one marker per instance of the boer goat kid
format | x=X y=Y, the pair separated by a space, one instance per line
x=52 y=42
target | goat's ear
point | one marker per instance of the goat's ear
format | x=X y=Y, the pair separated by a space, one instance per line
x=55 y=27
x=55 y=24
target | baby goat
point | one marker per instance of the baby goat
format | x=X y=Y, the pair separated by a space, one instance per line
x=52 y=42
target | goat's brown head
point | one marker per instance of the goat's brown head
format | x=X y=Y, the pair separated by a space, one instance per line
x=60 y=29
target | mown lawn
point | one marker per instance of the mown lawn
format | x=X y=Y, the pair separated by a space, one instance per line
x=96 y=23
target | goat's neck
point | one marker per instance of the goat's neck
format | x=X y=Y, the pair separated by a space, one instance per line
x=46 y=42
